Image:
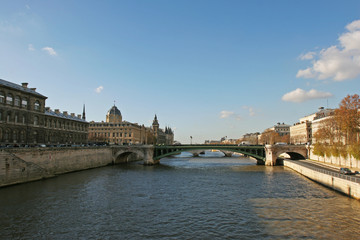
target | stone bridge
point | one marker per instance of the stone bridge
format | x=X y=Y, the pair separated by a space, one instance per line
x=150 y=154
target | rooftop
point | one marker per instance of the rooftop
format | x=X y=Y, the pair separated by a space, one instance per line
x=22 y=88
x=50 y=112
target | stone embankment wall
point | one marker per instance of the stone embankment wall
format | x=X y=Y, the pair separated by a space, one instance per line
x=29 y=164
x=349 y=188
x=349 y=161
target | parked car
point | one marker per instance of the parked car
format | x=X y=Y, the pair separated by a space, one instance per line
x=345 y=171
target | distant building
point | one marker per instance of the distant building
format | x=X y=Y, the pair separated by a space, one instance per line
x=24 y=119
x=281 y=128
x=302 y=132
x=116 y=131
x=278 y=133
x=213 y=142
x=250 y=138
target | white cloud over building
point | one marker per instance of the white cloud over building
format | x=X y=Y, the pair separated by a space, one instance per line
x=300 y=95
x=340 y=62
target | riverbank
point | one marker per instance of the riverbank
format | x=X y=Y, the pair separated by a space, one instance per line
x=333 y=181
x=31 y=164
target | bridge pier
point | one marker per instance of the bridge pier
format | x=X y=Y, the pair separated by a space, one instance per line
x=272 y=152
x=149 y=156
x=227 y=153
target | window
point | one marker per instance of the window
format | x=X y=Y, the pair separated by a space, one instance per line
x=0 y=116
x=15 y=136
x=23 y=119
x=17 y=101
x=8 y=117
x=24 y=103
x=37 y=105
x=36 y=120
x=16 y=118
x=6 y=135
x=22 y=136
x=2 y=97
x=9 y=99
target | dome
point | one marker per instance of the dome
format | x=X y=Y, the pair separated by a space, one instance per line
x=114 y=111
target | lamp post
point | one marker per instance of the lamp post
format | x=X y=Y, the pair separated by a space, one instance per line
x=190 y=140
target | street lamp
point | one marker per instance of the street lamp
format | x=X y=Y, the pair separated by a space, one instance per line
x=190 y=140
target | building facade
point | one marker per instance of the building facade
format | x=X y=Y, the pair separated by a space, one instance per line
x=24 y=119
x=116 y=131
x=303 y=131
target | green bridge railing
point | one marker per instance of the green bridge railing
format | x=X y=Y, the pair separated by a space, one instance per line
x=255 y=151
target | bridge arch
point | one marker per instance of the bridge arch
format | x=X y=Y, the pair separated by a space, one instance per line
x=295 y=152
x=123 y=156
x=256 y=152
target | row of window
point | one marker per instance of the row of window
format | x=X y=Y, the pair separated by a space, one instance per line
x=111 y=129
x=111 y=125
x=18 y=136
x=49 y=123
x=114 y=135
x=17 y=101
x=14 y=136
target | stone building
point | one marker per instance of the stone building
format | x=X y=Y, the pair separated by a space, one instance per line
x=116 y=131
x=24 y=119
x=250 y=138
x=278 y=133
x=302 y=132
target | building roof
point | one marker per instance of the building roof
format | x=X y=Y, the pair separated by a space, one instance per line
x=114 y=111
x=62 y=115
x=20 y=88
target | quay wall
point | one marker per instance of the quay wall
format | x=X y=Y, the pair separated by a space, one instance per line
x=30 y=164
x=348 y=161
x=349 y=188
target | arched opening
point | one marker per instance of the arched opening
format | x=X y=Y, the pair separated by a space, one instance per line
x=288 y=155
x=126 y=157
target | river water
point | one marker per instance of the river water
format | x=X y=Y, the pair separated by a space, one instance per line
x=207 y=197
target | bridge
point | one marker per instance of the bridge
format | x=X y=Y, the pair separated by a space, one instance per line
x=267 y=154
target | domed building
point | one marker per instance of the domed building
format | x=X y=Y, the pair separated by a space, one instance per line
x=116 y=131
x=114 y=115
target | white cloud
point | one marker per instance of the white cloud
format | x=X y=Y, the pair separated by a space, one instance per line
x=300 y=95
x=226 y=114
x=251 y=110
x=355 y=25
x=49 y=51
x=306 y=73
x=307 y=56
x=99 y=89
x=336 y=62
x=31 y=47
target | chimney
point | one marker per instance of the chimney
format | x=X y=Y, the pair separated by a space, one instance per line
x=24 y=84
x=57 y=111
x=73 y=114
x=79 y=116
x=34 y=89
x=47 y=109
x=65 y=113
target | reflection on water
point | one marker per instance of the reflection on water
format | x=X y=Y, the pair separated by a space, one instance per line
x=183 y=198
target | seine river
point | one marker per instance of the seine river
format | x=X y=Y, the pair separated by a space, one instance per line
x=182 y=198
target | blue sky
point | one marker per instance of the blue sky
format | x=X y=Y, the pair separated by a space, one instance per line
x=208 y=69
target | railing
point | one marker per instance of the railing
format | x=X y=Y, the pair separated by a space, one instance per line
x=331 y=173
